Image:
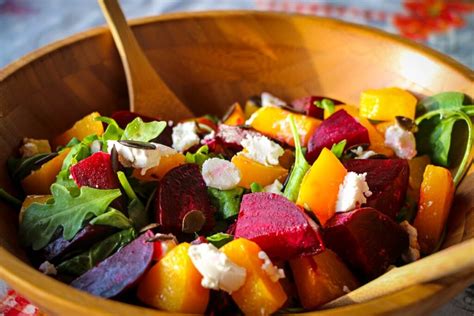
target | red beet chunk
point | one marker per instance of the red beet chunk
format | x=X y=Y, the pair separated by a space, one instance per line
x=124 y=117
x=387 y=180
x=181 y=191
x=366 y=239
x=277 y=225
x=120 y=271
x=96 y=172
x=86 y=237
x=336 y=128
x=306 y=106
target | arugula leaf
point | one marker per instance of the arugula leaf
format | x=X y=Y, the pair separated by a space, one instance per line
x=41 y=221
x=326 y=105
x=338 y=149
x=256 y=187
x=98 y=252
x=201 y=155
x=143 y=132
x=220 y=239
x=227 y=202
x=113 y=218
x=444 y=100
x=112 y=132
x=435 y=135
x=136 y=210
x=300 y=167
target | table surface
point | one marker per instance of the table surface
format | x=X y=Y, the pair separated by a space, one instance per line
x=26 y=25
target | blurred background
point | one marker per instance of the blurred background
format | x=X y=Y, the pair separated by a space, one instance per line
x=447 y=26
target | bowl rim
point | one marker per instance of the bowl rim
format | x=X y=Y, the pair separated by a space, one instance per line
x=13 y=270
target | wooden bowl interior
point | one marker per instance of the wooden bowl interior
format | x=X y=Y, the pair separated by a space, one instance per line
x=210 y=60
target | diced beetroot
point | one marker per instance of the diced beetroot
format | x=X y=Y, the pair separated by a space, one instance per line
x=387 y=180
x=306 y=106
x=366 y=239
x=181 y=191
x=277 y=225
x=86 y=237
x=124 y=117
x=165 y=137
x=96 y=172
x=334 y=129
x=120 y=271
x=232 y=136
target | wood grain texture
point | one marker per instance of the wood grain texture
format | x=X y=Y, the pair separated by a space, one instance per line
x=210 y=60
x=148 y=94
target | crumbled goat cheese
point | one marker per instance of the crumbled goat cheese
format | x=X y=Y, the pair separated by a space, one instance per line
x=95 y=146
x=275 y=187
x=139 y=158
x=33 y=146
x=220 y=174
x=353 y=192
x=401 y=141
x=48 y=268
x=413 y=251
x=261 y=149
x=269 y=99
x=271 y=270
x=363 y=154
x=185 y=136
x=217 y=270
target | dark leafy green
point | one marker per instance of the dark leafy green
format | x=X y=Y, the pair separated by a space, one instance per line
x=300 y=167
x=220 y=239
x=41 y=221
x=436 y=135
x=98 y=252
x=201 y=155
x=338 y=149
x=10 y=199
x=136 y=210
x=227 y=202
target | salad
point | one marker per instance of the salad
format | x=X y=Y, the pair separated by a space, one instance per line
x=276 y=207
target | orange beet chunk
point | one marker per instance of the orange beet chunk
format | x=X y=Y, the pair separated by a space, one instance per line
x=166 y=164
x=82 y=128
x=436 y=195
x=39 y=181
x=320 y=186
x=259 y=295
x=274 y=123
x=173 y=284
x=321 y=278
x=236 y=116
x=252 y=171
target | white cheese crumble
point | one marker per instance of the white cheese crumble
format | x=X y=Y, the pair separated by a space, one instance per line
x=220 y=174
x=139 y=158
x=270 y=269
x=363 y=154
x=95 y=146
x=48 y=268
x=33 y=146
x=275 y=187
x=185 y=136
x=261 y=149
x=413 y=251
x=353 y=192
x=217 y=270
x=401 y=141
x=269 y=99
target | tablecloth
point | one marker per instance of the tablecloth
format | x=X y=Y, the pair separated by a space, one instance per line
x=447 y=26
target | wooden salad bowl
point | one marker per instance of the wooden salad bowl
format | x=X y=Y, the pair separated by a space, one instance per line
x=211 y=60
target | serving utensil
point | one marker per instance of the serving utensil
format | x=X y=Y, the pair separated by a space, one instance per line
x=148 y=93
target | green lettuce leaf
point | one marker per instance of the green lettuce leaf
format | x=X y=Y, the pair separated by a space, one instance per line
x=112 y=132
x=201 y=155
x=227 y=202
x=141 y=131
x=256 y=187
x=136 y=210
x=338 y=149
x=220 y=239
x=41 y=221
x=98 y=252
x=300 y=167
x=113 y=218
